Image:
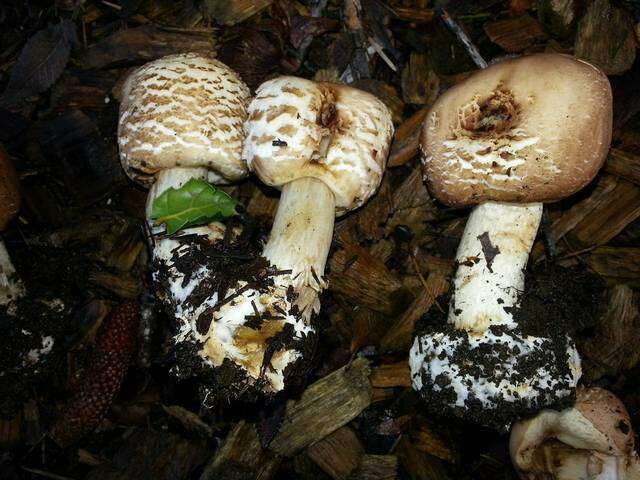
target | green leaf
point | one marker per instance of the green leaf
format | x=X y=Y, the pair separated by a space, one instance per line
x=195 y=203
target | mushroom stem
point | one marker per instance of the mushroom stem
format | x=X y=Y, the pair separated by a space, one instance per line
x=10 y=286
x=301 y=237
x=491 y=259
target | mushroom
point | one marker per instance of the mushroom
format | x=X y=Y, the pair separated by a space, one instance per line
x=326 y=147
x=10 y=286
x=592 y=440
x=181 y=118
x=518 y=133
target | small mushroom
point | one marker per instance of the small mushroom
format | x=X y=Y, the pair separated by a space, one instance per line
x=593 y=440
x=10 y=286
x=181 y=118
x=519 y=133
x=325 y=146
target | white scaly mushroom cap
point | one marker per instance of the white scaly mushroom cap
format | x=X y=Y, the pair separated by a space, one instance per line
x=183 y=110
x=593 y=439
x=299 y=128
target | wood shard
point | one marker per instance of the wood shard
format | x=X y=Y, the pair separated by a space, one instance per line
x=325 y=406
x=606 y=38
x=338 y=454
x=623 y=164
x=515 y=34
x=241 y=453
x=613 y=348
x=406 y=141
x=617 y=264
x=377 y=467
x=400 y=334
x=391 y=375
x=232 y=12
x=364 y=280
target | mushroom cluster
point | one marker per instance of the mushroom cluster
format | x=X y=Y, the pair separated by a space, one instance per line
x=325 y=146
x=521 y=132
x=591 y=440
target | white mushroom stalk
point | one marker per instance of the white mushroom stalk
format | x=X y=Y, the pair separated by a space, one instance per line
x=301 y=237
x=492 y=257
x=506 y=141
x=592 y=440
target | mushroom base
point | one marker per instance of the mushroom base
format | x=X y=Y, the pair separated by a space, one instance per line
x=215 y=288
x=496 y=377
x=556 y=300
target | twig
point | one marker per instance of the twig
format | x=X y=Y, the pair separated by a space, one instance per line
x=43 y=473
x=463 y=38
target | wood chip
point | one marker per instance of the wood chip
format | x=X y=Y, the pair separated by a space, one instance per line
x=618 y=264
x=232 y=12
x=377 y=467
x=515 y=34
x=420 y=465
x=611 y=206
x=420 y=84
x=362 y=279
x=338 y=454
x=325 y=406
x=400 y=334
x=426 y=439
x=623 y=164
x=189 y=420
x=606 y=37
x=406 y=141
x=613 y=348
x=414 y=15
x=142 y=44
x=242 y=455
x=391 y=375
x=557 y=16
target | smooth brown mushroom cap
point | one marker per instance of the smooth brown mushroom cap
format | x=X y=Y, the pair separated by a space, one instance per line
x=9 y=190
x=184 y=110
x=531 y=129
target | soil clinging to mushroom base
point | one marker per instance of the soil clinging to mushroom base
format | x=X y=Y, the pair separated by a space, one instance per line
x=556 y=300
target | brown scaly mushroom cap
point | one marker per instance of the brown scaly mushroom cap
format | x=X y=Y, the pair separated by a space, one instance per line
x=183 y=110
x=340 y=135
x=9 y=191
x=540 y=135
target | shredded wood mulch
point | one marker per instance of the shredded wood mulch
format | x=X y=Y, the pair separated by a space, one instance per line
x=80 y=247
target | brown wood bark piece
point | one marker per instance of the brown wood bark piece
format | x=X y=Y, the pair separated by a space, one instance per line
x=406 y=141
x=325 y=406
x=377 y=467
x=606 y=37
x=338 y=454
x=515 y=34
x=391 y=375
x=241 y=454
x=400 y=334
x=364 y=280
x=623 y=164
x=613 y=347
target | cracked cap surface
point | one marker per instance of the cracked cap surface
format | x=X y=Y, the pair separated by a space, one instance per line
x=184 y=110
x=531 y=129
x=299 y=128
